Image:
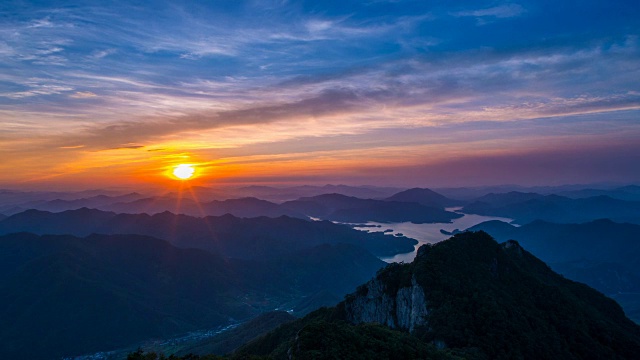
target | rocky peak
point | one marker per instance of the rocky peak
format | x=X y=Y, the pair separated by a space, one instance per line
x=513 y=247
x=403 y=308
x=423 y=250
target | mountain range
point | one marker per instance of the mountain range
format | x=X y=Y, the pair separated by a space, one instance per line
x=527 y=207
x=423 y=196
x=415 y=205
x=226 y=235
x=96 y=280
x=349 y=209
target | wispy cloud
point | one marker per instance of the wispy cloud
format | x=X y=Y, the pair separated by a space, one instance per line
x=38 y=89
x=99 y=54
x=39 y=23
x=82 y=95
x=500 y=11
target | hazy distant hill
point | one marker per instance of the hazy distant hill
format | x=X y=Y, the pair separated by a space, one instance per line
x=17 y=196
x=97 y=201
x=629 y=193
x=474 y=192
x=602 y=253
x=509 y=198
x=337 y=207
x=469 y=295
x=424 y=197
x=226 y=235
x=294 y=192
x=12 y=202
x=243 y=207
x=64 y=295
x=527 y=207
x=602 y=240
x=136 y=204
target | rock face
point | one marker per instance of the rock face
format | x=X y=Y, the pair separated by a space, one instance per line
x=403 y=309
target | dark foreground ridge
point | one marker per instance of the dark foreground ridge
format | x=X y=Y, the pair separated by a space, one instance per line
x=467 y=297
x=64 y=296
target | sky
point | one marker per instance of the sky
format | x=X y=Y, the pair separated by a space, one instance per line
x=395 y=93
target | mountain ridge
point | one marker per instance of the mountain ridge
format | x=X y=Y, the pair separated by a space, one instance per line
x=481 y=300
x=102 y=292
x=230 y=236
x=424 y=196
x=527 y=207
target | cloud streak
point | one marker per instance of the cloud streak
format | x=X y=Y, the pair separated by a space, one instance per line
x=501 y=11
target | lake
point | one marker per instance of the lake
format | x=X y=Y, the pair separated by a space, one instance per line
x=427 y=233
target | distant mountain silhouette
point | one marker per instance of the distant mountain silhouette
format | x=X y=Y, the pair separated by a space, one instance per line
x=337 y=207
x=280 y=194
x=225 y=235
x=94 y=202
x=12 y=202
x=602 y=240
x=628 y=193
x=572 y=191
x=527 y=207
x=248 y=207
x=67 y=296
x=632 y=189
x=474 y=192
x=286 y=193
x=466 y=297
x=512 y=197
x=243 y=207
x=424 y=197
x=17 y=196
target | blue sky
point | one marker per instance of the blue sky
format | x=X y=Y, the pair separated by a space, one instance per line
x=334 y=91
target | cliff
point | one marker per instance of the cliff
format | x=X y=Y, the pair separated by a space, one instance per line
x=466 y=297
x=404 y=309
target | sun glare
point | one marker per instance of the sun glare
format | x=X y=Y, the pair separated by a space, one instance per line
x=183 y=171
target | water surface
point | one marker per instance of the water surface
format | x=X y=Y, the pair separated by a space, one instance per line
x=427 y=233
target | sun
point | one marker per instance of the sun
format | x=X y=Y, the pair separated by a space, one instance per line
x=183 y=171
